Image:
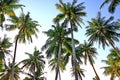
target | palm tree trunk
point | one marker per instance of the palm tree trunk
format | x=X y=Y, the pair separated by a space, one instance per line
x=14 y=57
x=74 y=55
x=93 y=68
x=58 y=62
x=59 y=76
x=115 y=49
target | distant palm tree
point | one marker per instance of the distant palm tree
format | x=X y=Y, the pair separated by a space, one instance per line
x=27 y=27
x=34 y=63
x=113 y=65
x=4 y=46
x=112 y=5
x=103 y=31
x=71 y=13
x=89 y=52
x=7 y=7
x=6 y=73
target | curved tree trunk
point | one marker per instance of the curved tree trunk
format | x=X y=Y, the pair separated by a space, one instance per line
x=14 y=57
x=115 y=49
x=93 y=68
x=58 y=63
x=74 y=55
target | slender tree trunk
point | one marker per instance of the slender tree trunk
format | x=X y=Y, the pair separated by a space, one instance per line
x=34 y=72
x=110 y=42
x=59 y=75
x=58 y=62
x=94 y=69
x=74 y=55
x=14 y=57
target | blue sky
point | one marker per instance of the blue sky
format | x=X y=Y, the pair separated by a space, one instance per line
x=44 y=11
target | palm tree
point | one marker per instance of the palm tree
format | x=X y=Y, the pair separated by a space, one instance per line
x=5 y=74
x=103 y=31
x=27 y=27
x=71 y=13
x=89 y=53
x=112 y=5
x=113 y=65
x=7 y=7
x=58 y=38
x=4 y=46
x=34 y=63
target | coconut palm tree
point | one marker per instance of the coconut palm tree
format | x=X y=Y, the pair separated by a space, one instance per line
x=4 y=46
x=7 y=7
x=71 y=13
x=112 y=5
x=58 y=38
x=27 y=28
x=103 y=31
x=89 y=52
x=113 y=65
x=34 y=63
x=5 y=74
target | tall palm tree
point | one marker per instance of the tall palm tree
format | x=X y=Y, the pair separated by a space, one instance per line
x=7 y=7
x=26 y=26
x=4 y=46
x=113 y=65
x=112 y=5
x=89 y=52
x=71 y=13
x=103 y=31
x=34 y=63
x=58 y=38
x=5 y=74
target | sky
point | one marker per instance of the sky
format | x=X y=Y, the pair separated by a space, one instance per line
x=44 y=11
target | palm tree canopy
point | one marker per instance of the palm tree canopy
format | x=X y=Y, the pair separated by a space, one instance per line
x=27 y=27
x=101 y=30
x=112 y=5
x=56 y=36
x=88 y=51
x=35 y=62
x=113 y=64
x=7 y=7
x=4 y=46
x=70 y=12
x=5 y=74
